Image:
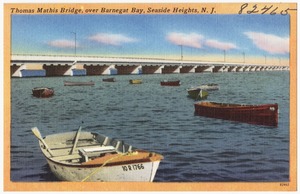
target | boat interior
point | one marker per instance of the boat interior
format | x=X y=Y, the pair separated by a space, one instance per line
x=68 y=148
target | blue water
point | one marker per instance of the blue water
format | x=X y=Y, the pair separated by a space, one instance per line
x=159 y=119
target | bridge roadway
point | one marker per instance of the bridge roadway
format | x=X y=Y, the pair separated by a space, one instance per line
x=56 y=65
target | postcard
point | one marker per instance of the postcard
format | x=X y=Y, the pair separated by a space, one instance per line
x=150 y=96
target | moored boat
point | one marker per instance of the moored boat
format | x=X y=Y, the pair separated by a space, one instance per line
x=135 y=81
x=170 y=83
x=197 y=93
x=69 y=83
x=209 y=87
x=87 y=156
x=265 y=114
x=42 y=92
x=111 y=79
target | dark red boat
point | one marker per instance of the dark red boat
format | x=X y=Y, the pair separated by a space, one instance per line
x=265 y=114
x=42 y=92
x=170 y=83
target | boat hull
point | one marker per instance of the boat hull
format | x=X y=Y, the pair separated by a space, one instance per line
x=135 y=81
x=170 y=83
x=78 y=83
x=266 y=114
x=42 y=92
x=197 y=94
x=109 y=79
x=136 y=172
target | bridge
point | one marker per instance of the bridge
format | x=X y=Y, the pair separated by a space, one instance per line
x=62 y=65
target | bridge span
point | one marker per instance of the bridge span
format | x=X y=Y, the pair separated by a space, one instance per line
x=55 y=65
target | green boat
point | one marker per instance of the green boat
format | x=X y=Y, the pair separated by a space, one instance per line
x=197 y=93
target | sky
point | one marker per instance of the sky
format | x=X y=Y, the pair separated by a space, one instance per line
x=233 y=38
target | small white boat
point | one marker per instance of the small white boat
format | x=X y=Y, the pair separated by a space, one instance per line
x=88 y=156
x=208 y=87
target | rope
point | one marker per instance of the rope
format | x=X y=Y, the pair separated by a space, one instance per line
x=98 y=169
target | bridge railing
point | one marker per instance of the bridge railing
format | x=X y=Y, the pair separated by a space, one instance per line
x=142 y=59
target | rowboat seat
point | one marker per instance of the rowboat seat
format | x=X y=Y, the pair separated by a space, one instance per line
x=90 y=152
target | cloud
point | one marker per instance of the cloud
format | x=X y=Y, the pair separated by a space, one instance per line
x=220 y=45
x=62 y=43
x=268 y=42
x=190 y=40
x=198 y=41
x=111 y=39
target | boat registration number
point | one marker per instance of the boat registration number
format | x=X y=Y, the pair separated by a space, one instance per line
x=133 y=167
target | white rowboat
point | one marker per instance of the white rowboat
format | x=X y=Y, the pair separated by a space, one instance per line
x=88 y=156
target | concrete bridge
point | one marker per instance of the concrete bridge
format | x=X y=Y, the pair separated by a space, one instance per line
x=55 y=65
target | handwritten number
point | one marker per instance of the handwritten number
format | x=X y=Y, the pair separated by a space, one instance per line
x=284 y=12
x=273 y=12
x=243 y=7
x=265 y=9
x=254 y=10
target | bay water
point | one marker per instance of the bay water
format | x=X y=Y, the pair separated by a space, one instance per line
x=159 y=119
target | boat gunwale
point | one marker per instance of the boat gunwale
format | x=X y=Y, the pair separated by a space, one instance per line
x=234 y=106
x=42 y=88
x=110 y=164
